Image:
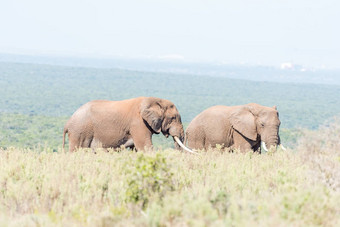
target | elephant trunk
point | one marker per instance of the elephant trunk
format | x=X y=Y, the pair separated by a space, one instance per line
x=273 y=141
x=178 y=135
x=176 y=130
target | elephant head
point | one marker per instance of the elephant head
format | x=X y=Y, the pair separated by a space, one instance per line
x=161 y=115
x=256 y=122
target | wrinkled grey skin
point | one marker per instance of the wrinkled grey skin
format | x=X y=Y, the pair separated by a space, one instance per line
x=242 y=127
x=129 y=123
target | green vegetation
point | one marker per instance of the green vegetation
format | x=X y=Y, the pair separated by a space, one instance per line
x=43 y=97
x=163 y=187
x=148 y=176
x=32 y=131
x=169 y=188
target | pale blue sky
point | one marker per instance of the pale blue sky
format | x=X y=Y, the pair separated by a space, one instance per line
x=266 y=32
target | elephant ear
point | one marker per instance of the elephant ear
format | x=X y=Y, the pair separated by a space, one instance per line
x=243 y=121
x=153 y=113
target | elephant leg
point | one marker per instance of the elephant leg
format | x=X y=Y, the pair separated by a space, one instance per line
x=244 y=147
x=141 y=137
x=73 y=144
x=86 y=142
x=78 y=141
x=242 y=143
x=196 y=141
x=142 y=142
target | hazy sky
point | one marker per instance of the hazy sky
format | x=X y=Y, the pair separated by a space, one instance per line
x=266 y=32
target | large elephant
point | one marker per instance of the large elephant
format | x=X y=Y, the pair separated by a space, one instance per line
x=129 y=123
x=242 y=127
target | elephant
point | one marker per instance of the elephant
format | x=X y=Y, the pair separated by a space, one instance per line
x=243 y=127
x=129 y=123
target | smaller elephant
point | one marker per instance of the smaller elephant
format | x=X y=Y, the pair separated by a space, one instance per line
x=242 y=127
x=129 y=123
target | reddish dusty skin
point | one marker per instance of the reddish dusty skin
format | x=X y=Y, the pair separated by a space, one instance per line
x=242 y=127
x=129 y=123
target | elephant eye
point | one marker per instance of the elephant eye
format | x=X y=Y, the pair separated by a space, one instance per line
x=262 y=124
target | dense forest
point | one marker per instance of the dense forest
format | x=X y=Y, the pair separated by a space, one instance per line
x=37 y=99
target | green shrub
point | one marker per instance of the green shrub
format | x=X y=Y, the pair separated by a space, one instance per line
x=220 y=202
x=147 y=176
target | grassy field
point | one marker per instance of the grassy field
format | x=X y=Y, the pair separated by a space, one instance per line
x=42 y=186
x=298 y=187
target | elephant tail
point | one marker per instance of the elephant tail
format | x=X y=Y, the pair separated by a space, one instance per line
x=65 y=131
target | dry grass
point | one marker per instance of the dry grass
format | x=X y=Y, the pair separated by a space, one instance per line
x=168 y=188
x=321 y=150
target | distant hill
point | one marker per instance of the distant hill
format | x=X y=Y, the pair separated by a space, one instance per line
x=51 y=90
x=291 y=74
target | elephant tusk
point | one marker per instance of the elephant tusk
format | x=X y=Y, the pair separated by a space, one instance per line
x=282 y=147
x=264 y=146
x=182 y=145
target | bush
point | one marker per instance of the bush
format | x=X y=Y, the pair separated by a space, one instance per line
x=147 y=176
